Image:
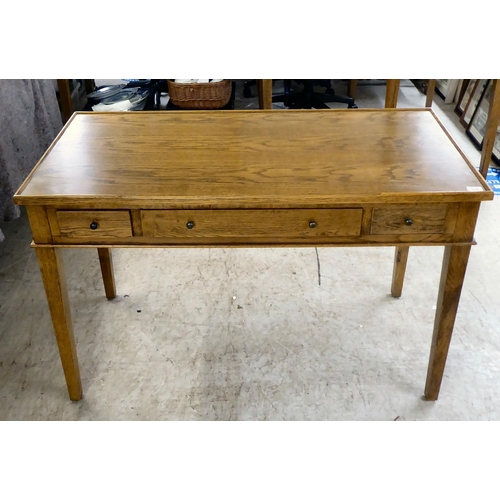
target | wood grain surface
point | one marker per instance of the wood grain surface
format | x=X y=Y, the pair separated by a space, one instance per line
x=245 y=159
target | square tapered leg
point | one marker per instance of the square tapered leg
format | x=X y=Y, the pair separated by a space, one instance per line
x=452 y=278
x=398 y=274
x=54 y=281
x=108 y=277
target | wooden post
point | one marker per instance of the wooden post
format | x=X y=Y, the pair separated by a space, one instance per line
x=391 y=94
x=65 y=99
x=429 y=96
x=351 y=88
x=491 y=129
x=265 y=94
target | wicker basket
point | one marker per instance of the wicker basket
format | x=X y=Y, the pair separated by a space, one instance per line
x=200 y=95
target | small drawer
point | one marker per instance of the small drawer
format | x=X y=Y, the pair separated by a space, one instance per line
x=94 y=224
x=409 y=219
x=276 y=225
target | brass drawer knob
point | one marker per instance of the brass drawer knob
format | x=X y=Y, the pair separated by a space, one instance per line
x=190 y=225
x=94 y=225
x=408 y=221
x=312 y=224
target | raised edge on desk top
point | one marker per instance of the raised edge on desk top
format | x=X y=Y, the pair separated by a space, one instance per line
x=252 y=158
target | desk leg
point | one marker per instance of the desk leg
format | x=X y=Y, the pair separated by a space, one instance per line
x=491 y=128
x=398 y=274
x=431 y=89
x=452 y=278
x=265 y=94
x=391 y=94
x=54 y=281
x=108 y=276
x=351 y=88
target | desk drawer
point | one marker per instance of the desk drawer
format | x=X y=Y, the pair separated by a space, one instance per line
x=279 y=225
x=94 y=224
x=409 y=219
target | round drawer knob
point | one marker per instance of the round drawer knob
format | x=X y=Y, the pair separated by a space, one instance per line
x=408 y=221
x=94 y=225
x=190 y=225
x=312 y=224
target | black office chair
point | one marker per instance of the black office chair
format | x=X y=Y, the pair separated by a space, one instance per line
x=308 y=98
x=247 y=91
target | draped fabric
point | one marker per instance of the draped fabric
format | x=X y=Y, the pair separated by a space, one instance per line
x=29 y=121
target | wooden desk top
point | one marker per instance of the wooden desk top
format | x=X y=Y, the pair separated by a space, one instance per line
x=244 y=159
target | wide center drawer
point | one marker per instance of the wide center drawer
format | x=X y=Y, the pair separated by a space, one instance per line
x=278 y=224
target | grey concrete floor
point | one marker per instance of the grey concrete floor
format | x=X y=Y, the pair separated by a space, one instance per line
x=254 y=334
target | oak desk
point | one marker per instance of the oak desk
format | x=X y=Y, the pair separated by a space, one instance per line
x=254 y=178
